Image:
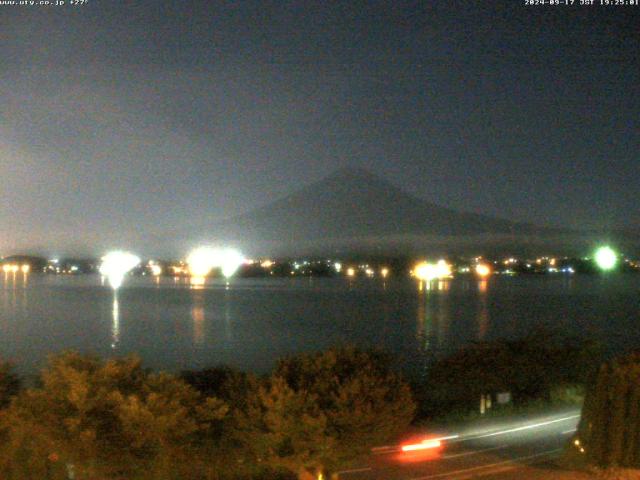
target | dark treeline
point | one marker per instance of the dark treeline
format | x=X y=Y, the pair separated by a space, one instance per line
x=316 y=412
x=545 y=366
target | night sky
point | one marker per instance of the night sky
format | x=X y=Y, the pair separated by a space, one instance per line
x=123 y=117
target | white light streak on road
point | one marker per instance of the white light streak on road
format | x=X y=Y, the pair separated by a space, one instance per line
x=520 y=429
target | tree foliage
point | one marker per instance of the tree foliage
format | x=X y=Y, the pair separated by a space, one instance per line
x=113 y=419
x=609 y=430
x=319 y=411
x=9 y=383
x=104 y=418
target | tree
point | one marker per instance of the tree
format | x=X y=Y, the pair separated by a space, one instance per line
x=225 y=383
x=104 y=418
x=9 y=384
x=530 y=368
x=317 y=412
x=609 y=430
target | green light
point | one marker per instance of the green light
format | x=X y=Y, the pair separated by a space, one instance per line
x=606 y=258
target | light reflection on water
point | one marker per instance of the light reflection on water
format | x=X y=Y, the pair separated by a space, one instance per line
x=198 y=316
x=433 y=316
x=249 y=323
x=483 y=310
x=115 y=324
x=15 y=287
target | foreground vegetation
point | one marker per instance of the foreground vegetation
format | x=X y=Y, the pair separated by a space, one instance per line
x=90 y=418
x=315 y=413
x=609 y=432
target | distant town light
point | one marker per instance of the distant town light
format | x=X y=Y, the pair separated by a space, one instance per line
x=115 y=265
x=202 y=260
x=384 y=272
x=606 y=258
x=483 y=270
x=25 y=268
x=178 y=270
x=443 y=269
x=230 y=261
x=425 y=271
x=429 y=271
x=351 y=272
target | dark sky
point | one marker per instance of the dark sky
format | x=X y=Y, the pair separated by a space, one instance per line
x=122 y=117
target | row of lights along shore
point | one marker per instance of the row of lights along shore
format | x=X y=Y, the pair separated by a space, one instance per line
x=115 y=265
x=15 y=268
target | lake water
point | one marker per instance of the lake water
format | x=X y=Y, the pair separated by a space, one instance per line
x=251 y=322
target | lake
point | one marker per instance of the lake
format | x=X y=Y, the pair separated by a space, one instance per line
x=251 y=322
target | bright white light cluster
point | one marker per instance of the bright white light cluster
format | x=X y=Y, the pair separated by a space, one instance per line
x=115 y=265
x=202 y=260
x=230 y=261
x=430 y=271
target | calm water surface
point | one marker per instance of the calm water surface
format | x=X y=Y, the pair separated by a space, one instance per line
x=251 y=322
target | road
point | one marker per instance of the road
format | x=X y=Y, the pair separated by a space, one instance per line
x=489 y=451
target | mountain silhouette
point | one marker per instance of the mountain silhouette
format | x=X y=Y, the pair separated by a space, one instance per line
x=355 y=206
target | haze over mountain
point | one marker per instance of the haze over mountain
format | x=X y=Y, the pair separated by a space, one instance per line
x=355 y=210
